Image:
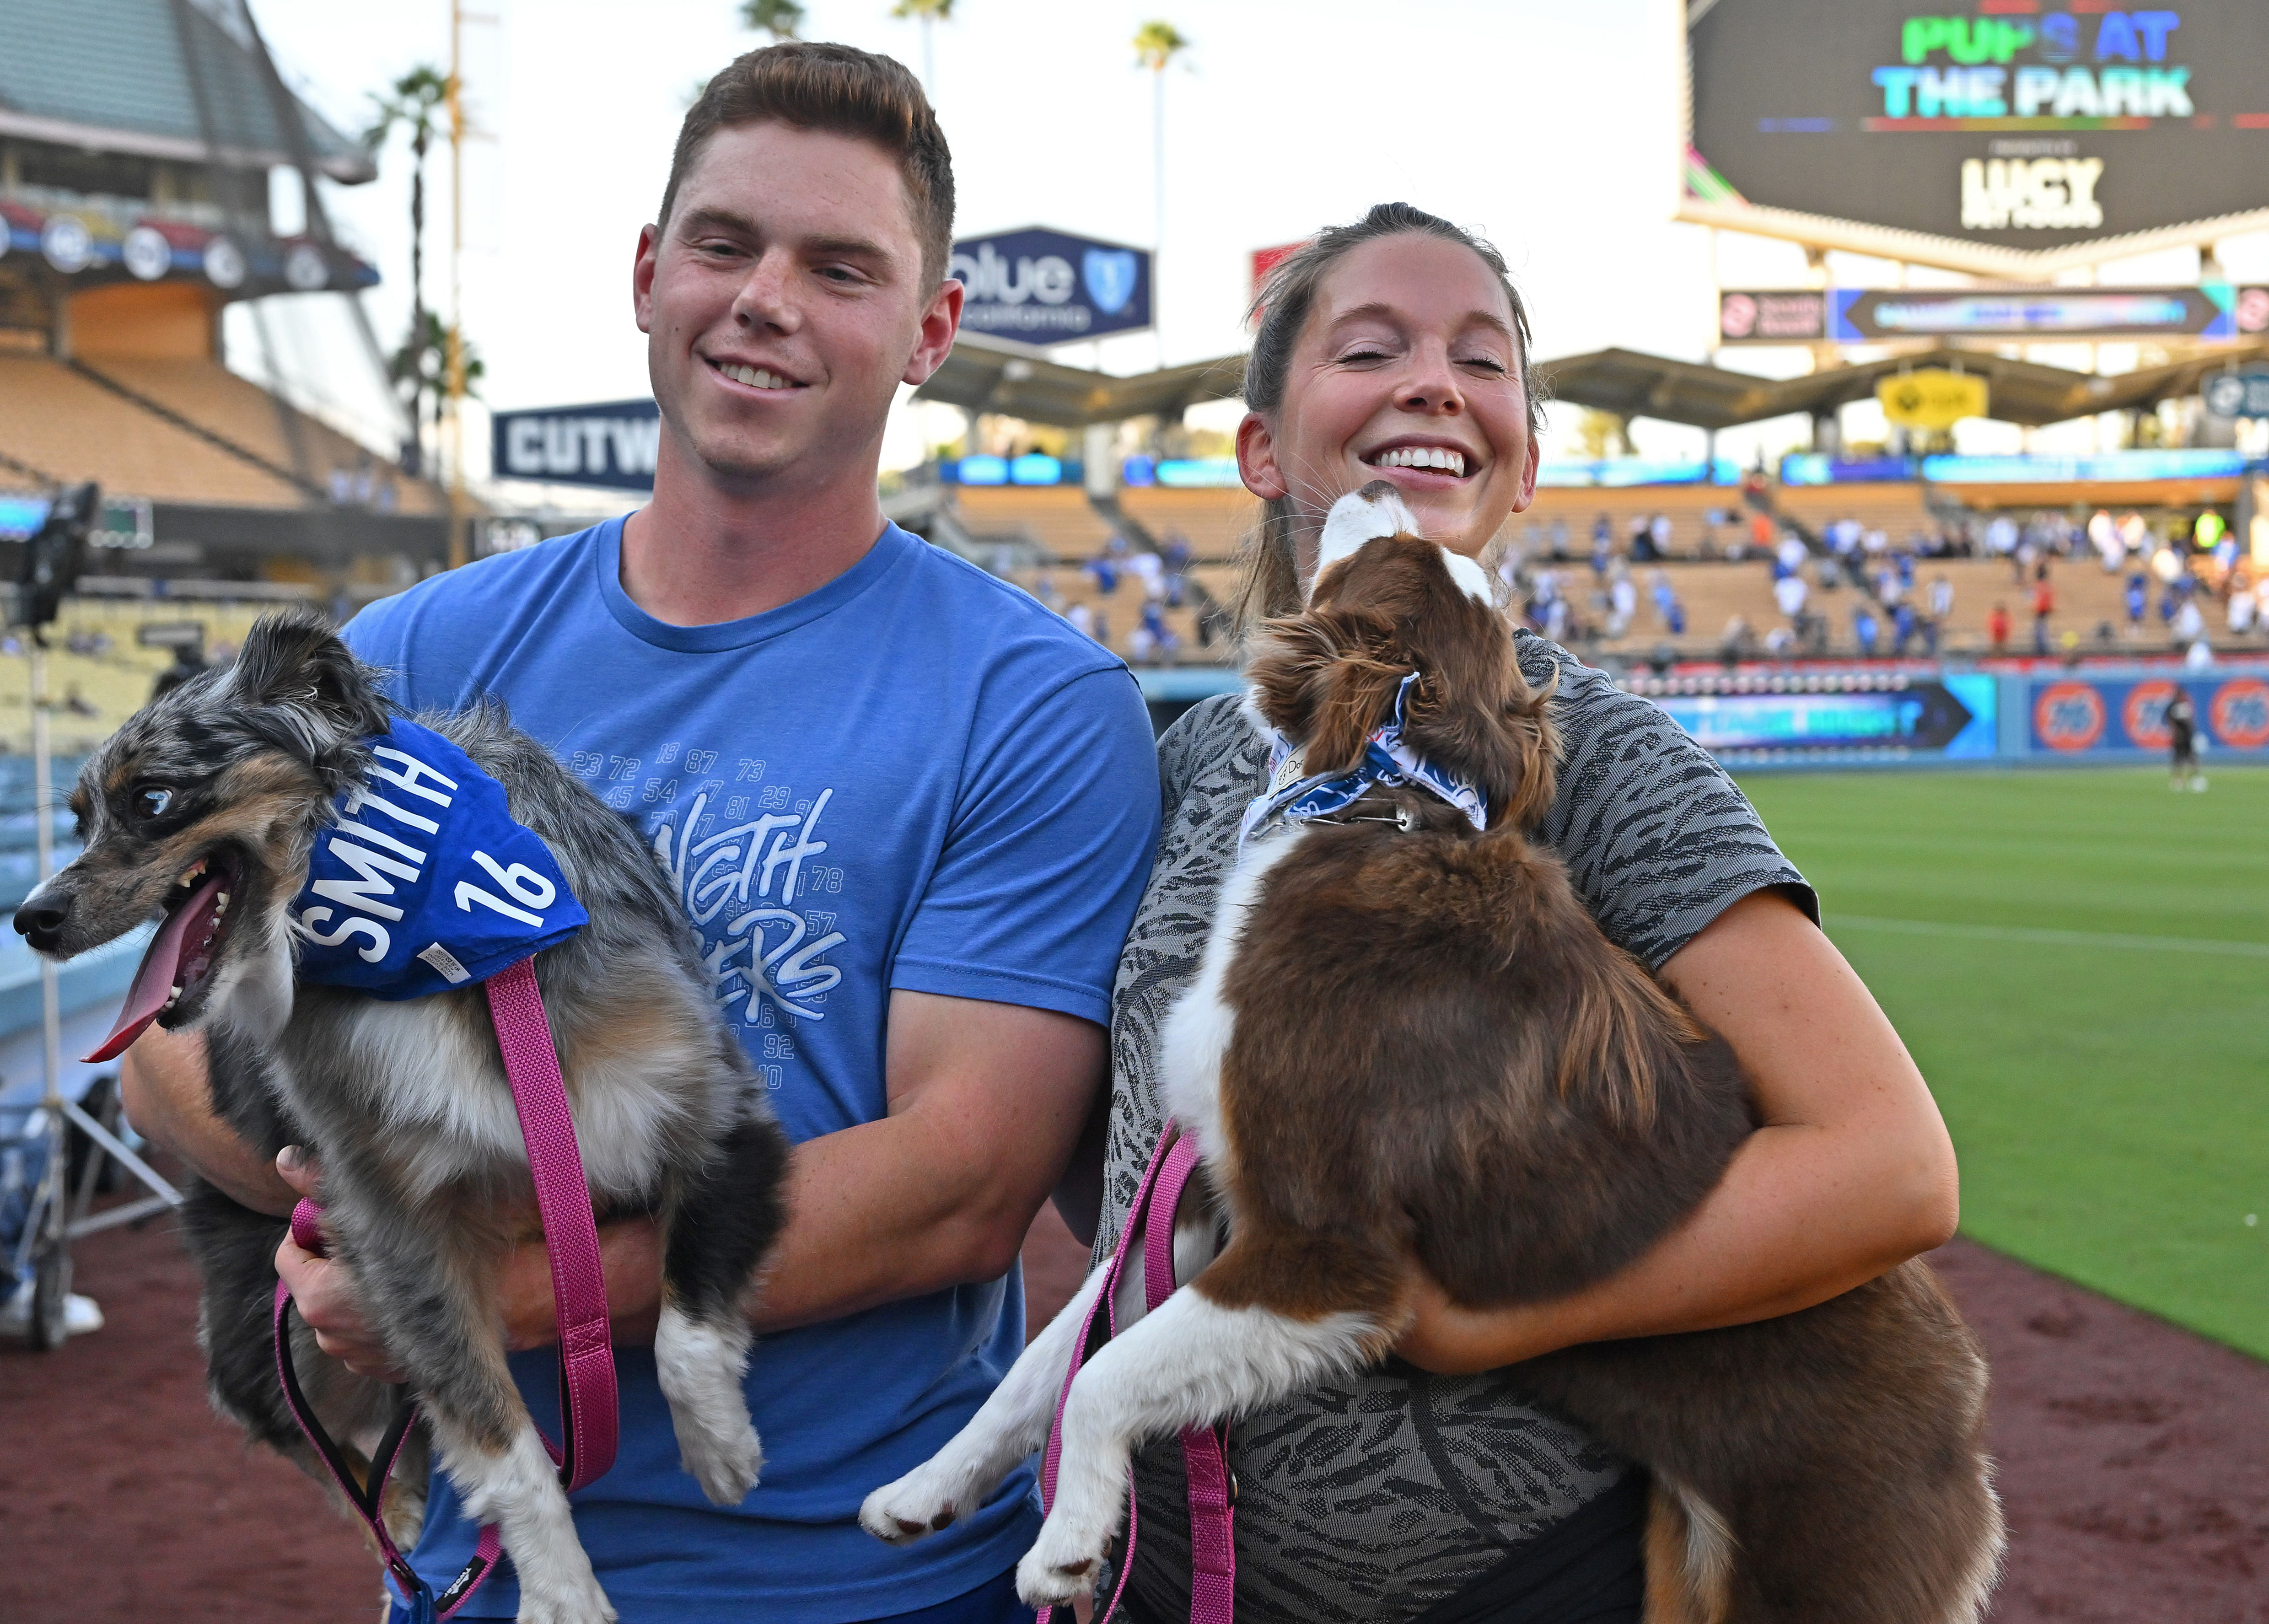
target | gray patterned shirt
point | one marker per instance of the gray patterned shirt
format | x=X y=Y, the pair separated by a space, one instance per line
x=1372 y=1499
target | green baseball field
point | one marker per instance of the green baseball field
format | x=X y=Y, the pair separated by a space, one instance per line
x=2079 y=961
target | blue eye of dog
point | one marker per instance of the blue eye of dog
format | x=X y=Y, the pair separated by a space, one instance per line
x=153 y=803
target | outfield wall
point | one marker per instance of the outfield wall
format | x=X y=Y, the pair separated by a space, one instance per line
x=1917 y=717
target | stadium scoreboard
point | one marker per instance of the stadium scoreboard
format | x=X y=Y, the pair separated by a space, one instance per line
x=2016 y=124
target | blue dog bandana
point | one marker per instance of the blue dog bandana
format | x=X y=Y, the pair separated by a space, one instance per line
x=1386 y=759
x=425 y=882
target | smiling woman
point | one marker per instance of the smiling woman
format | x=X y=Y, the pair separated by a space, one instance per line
x=1432 y=1487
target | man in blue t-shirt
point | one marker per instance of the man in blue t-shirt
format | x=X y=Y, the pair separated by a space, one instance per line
x=909 y=810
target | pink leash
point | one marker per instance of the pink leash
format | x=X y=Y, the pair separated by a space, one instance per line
x=587 y=1395
x=1205 y=1457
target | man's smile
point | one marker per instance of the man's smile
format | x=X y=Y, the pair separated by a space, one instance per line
x=764 y=379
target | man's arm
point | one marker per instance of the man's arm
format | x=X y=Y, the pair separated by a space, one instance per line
x=986 y=1103
x=162 y=1083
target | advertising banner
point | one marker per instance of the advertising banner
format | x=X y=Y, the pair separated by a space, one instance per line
x=1949 y=717
x=1868 y=315
x=2017 y=124
x=2085 y=716
x=611 y=445
x=1048 y=287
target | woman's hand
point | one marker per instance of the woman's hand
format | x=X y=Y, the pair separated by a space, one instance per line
x=1451 y=1340
x=323 y=1289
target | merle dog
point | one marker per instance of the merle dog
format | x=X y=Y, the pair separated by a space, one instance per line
x=204 y=808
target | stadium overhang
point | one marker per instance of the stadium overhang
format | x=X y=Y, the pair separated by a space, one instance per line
x=986 y=377
x=1630 y=384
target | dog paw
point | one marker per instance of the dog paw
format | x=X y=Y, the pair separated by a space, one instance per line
x=726 y=1465
x=1062 y=1566
x=904 y=1512
x=578 y=1601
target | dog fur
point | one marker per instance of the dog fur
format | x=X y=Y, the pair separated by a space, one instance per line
x=425 y=1182
x=1408 y=1037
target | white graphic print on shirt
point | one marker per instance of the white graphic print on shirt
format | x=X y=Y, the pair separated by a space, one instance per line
x=739 y=852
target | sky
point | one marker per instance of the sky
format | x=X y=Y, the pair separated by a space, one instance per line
x=1550 y=126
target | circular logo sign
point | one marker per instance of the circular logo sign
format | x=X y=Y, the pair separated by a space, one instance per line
x=1737 y=315
x=2240 y=712
x=223 y=263
x=2225 y=395
x=146 y=253
x=2145 y=714
x=67 y=245
x=305 y=269
x=2069 y=716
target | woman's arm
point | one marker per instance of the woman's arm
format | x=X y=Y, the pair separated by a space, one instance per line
x=1850 y=1175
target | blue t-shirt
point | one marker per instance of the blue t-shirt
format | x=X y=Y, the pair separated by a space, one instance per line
x=915 y=777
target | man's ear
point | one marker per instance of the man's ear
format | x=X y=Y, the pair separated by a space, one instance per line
x=642 y=268
x=939 y=323
x=1256 y=459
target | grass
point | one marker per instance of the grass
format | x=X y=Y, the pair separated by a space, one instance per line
x=2079 y=961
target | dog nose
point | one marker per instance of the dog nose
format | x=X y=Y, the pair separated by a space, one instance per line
x=41 y=920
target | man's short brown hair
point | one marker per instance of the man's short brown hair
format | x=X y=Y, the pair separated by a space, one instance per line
x=847 y=91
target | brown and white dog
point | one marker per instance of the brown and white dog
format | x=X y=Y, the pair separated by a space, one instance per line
x=1409 y=1037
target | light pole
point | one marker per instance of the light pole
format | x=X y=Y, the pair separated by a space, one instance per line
x=1157 y=44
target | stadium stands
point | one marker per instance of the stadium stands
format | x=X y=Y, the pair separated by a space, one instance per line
x=100 y=673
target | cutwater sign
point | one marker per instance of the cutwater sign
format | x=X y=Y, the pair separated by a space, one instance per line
x=612 y=444
x=1047 y=287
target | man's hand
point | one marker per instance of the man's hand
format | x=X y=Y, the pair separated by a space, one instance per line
x=324 y=1292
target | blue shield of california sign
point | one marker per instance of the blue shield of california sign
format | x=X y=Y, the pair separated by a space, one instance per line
x=1049 y=287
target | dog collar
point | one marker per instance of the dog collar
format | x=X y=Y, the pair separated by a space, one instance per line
x=1296 y=797
x=424 y=881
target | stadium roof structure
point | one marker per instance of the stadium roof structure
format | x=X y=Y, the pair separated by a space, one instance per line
x=1634 y=385
x=129 y=75
x=987 y=377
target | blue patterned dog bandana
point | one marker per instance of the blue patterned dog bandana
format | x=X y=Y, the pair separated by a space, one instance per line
x=425 y=882
x=1386 y=759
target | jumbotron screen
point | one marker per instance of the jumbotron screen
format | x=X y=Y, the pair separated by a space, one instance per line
x=2013 y=122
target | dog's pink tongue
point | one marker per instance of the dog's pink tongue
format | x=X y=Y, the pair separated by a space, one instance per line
x=154 y=982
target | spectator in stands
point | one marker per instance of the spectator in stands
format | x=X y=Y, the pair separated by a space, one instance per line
x=2043 y=606
x=1150 y=570
x=1105 y=571
x=1603 y=535
x=1737 y=642
x=1560 y=538
x=1141 y=647
x=1177 y=555
x=1622 y=599
x=1941 y=598
x=2137 y=596
x=1082 y=618
x=1658 y=531
x=1997 y=628
x=1866 y=630
x=1163 y=639
x=1789 y=557
x=2241 y=608
x=1640 y=544
x=2190 y=623
x=1789 y=594
x=1905 y=625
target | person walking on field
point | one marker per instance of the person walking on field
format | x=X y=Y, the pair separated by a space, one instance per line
x=2181 y=743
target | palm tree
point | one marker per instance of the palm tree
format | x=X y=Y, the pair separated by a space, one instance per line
x=416 y=103
x=422 y=366
x=929 y=11
x=779 y=18
x=1157 y=44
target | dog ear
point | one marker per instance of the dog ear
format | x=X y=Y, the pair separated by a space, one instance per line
x=1612 y=1046
x=1325 y=680
x=303 y=691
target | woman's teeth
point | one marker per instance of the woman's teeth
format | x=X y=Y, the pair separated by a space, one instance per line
x=1422 y=456
x=757 y=378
